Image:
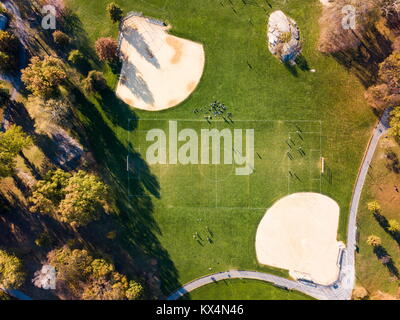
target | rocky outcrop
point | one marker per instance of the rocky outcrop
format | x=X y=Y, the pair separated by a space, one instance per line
x=283 y=37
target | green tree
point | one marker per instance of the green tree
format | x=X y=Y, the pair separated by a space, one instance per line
x=394 y=226
x=8 y=42
x=43 y=76
x=6 y=62
x=95 y=81
x=76 y=57
x=374 y=241
x=8 y=51
x=374 y=206
x=11 y=143
x=115 y=12
x=11 y=271
x=85 y=197
x=48 y=193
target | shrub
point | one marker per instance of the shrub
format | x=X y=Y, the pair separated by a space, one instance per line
x=76 y=57
x=94 y=81
x=115 y=12
x=106 y=49
x=61 y=39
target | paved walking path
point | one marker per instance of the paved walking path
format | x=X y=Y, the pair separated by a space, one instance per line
x=342 y=288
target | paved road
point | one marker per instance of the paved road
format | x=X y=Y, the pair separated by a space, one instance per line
x=342 y=288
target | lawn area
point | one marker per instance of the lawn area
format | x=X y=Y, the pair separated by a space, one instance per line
x=380 y=186
x=162 y=206
x=244 y=290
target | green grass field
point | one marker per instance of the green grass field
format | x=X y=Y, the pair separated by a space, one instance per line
x=163 y=206
x=244 y=290
x=371 y=273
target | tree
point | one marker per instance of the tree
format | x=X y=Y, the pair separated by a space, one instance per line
x=394 y=226
x=360 y=293
x=76 y=57
x=92 y=279
x=42 y=76
x=94 y=82
x=11 y=271
x=374 y=241
x=6 y=62
x=48 y=193
x=106 y=49
x=374 y=206
x=389 y=71
x=115 y=12
x=8 y=51
x=58 y=110
x=386 y=93
x=85 y=196
x=395 y=122
x=76 y=199
x=61 y=39
x=8 y=42
x=11 y=143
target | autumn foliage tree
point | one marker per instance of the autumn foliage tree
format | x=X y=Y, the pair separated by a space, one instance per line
x=374 y=241
x=92 y=279
x=43 y=76
x=107 y=49
x=386 y=93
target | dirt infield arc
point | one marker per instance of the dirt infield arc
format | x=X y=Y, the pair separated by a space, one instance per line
x=159 y=70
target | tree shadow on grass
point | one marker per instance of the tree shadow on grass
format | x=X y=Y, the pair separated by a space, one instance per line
x=117 y=111
x=72 y=26
x=386 y=260
x=384 y=223
x=133 y=196
x=364 y=60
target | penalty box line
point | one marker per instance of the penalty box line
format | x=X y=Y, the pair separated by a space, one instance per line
x=216 y=171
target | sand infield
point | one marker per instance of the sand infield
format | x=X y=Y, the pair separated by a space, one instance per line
x=159 y=70
x=298 y=233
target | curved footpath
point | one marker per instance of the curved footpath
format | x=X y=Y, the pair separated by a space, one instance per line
x=342 y=288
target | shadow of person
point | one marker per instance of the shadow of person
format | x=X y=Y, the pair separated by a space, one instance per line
x=302 y=63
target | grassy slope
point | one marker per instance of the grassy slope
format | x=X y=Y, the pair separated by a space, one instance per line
x=268 y=91
x=244 y=290
x=380 y=183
